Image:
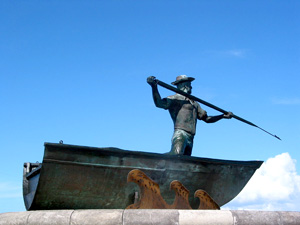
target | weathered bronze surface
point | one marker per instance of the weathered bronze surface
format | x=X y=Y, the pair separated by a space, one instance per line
x=150 y=196
x=78 y=177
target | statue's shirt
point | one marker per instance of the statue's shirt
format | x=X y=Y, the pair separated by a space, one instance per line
x=184 y=112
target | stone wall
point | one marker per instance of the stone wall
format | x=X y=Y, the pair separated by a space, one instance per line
x=148 y=216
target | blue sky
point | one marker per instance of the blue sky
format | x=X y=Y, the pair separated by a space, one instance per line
x=76 y=71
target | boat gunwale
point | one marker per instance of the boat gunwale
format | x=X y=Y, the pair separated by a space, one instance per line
x=113 y=151
x=34 y=172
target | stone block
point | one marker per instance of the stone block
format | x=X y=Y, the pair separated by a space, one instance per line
x=14 y=218
x=50 y=217
x=205 y=217
x=151 y=216
x=99 y=217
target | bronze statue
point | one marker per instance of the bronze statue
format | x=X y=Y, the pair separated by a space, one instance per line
x=184 y=113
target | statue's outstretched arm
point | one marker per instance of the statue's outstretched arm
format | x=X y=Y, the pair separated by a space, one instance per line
x=212 y=119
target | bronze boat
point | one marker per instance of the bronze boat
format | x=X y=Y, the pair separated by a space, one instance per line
x=80 y=177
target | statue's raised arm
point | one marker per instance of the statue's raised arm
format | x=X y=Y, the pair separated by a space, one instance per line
x=158 y=101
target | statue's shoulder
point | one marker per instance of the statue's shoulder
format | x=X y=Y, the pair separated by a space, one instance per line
x=175 y=97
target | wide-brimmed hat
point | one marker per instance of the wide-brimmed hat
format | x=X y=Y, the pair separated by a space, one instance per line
x=182 y=78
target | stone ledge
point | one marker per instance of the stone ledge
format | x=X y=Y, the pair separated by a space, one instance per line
x=149 y=216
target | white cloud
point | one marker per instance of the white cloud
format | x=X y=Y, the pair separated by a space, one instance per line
x=275 y=186
x=238 y=53
x=10 y=190
x=235 y=52
x=286 y=101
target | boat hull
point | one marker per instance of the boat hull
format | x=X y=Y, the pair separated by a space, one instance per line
x=79 y=177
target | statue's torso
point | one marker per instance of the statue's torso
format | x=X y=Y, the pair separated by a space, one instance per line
x=184 y=112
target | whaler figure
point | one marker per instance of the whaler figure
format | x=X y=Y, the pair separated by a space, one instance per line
x=184 y=113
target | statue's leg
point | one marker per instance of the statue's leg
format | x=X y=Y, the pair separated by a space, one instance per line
x=188 y=150
x=189 y=139
x=178 y=143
